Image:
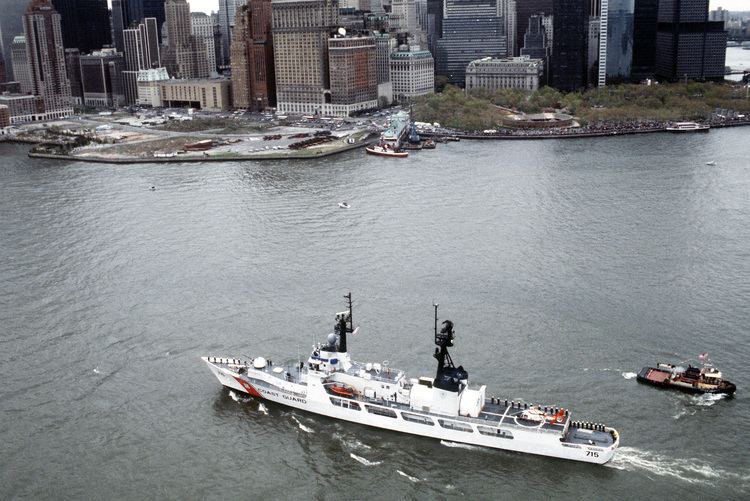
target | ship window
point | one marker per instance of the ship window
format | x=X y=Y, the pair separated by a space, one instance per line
x=346 y=404
x=415 y=418
x=494 y=432
x=381 y=411
x=453 y=425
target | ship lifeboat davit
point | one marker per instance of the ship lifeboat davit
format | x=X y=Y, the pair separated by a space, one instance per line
x=341 y=390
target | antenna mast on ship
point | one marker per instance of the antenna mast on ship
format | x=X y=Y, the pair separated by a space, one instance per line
x=448 y=376
x=443 y=339
x=343 y=328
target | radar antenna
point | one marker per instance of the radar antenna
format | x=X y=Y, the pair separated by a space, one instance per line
x=344 y=324
x=448 y=376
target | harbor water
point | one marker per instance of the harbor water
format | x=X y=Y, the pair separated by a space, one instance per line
x=566 y=266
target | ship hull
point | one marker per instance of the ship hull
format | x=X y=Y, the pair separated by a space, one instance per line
x=313 y=398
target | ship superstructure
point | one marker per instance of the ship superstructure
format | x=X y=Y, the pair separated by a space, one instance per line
x=443 y=407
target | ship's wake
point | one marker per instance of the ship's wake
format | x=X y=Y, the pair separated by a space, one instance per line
x=706 y=399
x=350 y=443
x=302 y=427
x=413 y=479
x=459 y=445
x=629 y=375
x=364 y=461
x=693 y=471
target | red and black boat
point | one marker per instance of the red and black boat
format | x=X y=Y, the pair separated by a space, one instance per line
x=705 y=379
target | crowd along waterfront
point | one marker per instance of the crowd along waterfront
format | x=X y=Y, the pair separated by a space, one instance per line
x=565 y=265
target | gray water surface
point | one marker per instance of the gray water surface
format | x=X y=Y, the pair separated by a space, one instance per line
x=566 y=266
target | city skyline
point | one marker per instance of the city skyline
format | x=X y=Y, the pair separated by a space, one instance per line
x=739 y=5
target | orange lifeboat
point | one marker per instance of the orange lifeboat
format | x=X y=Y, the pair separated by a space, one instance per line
x=342 y=390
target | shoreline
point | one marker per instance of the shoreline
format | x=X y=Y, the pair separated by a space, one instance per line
x=305 y=154
x=287 y=155
x=576 y=135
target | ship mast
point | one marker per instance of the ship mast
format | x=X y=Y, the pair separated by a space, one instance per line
x=448 y=376
x=443 y=339
x=343 y=328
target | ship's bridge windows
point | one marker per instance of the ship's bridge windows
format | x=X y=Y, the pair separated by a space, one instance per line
x=454 y=425
x=494 y=432
x=381 y=411
x=416 y=418
x=346 y=404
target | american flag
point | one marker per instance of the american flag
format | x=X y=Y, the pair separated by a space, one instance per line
x=702 y=356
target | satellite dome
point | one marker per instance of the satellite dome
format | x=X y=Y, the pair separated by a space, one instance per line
x=332 y=339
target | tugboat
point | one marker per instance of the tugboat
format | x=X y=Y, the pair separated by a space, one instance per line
x=705 y=379
x=442 y=407
x=384 y=150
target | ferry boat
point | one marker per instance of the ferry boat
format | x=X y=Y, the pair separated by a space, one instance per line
x=704 y=379
x=688 y=127
x=384 y=150
x=443 y=407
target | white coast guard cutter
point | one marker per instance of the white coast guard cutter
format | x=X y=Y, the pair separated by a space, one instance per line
x=443 y=407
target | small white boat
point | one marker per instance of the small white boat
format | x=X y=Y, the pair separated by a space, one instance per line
x=344 y=205
x=712 y=162
x=385 y=151
x=688 y=127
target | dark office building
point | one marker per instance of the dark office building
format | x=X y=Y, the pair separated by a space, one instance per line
x=644 y=39
x=73 y=68
x=118 y=25
x=568 y=65
x=471 y=30
x=535 y=39
x=524 y=10
x=84 y=23
x=434 y=23
x=687 y=44
x=101 y=79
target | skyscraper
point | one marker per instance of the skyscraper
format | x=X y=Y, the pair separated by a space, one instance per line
x=253 y=79
x=619 y=39
x=73 y=67
x=524 y=10
x=535 y=39
x=101 y=80
x=187 y=52
x=644 y=38
x=301 y=29
x=568 y=65
x=85 y=24
x=128 y=13
x=507 y=9
x=20 y=62
x=142 y=46
x=202 y=28
x=687 y=44
x=141 y=51
x=353 y=71
x=3 y=72
x=404 y=15
x=472 y=29
x=118 y=24
x=227 y=15
x=46 y=58
x=434 y=24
